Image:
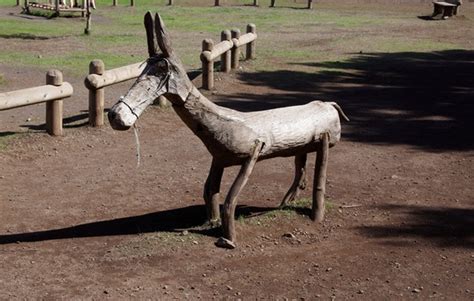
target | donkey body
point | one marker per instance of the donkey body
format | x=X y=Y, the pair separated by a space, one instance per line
x=232 y=137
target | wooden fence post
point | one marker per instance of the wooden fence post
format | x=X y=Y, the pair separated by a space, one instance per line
x=272 y=3
x=170 y=2
x=235 y=52
x=87 y=30
x=17 y=2
x=56 y=7
x=132 y=2
x=217 y=3
x=54 y=108
x=226 y=56
x=251 y=28
x=310 y=4
x=255 y=2
x=96 y=96
x=114 y=2
x=207 y=65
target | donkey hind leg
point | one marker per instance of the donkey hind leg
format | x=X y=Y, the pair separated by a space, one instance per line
x=319 y=186
x=211 y=194
x=228 y=215
x=299 y=183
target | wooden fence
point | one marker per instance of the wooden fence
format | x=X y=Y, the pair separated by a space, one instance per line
x=98 y=79
x=229 y=51
x=255 y=3
x=52 y=93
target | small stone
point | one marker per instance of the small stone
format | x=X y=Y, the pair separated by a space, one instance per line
x=289 y=235
x=328 y=269
x=165 y=287
x=360 y=292
x=229 y=287
x=185 y=232
x=106 y=292
x=195 y=242
x=416 y=291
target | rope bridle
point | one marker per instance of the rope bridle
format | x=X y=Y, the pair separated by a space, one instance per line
x=164 y=82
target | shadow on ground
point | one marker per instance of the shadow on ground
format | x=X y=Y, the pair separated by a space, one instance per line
x=423 y=99
x=445 y=227
x=190 y=218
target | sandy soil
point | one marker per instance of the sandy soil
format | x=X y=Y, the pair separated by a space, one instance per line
x=81 y=221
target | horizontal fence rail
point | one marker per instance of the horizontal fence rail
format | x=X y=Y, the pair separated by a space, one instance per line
x=229 y=51
x=52 y=93
x=99 y=78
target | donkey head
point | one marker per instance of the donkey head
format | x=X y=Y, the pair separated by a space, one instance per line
x=163 y=75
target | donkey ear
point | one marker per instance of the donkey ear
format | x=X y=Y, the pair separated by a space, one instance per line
x=149 y=27
x=163 y=37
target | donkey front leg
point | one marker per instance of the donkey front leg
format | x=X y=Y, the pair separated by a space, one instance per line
x=212 y=192
x=299 y=183
x=319 y=186
x=228 y=216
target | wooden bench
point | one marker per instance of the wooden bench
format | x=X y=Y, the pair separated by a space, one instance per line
x=446 y=9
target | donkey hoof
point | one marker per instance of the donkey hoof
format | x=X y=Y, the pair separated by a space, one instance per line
x=225 y=243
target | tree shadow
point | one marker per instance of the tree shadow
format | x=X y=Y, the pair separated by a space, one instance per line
x=423 y=99
x=445 y=227
x=190 y=218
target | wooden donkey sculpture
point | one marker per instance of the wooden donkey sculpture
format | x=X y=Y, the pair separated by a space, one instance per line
x=232 y=137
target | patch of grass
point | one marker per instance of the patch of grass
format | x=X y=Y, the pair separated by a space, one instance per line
x=2 y=79
x=5 y=139
x=75 y=62
x=298 y=207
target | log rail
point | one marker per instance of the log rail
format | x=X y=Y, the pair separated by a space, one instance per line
x=229 y=51
x=99 y=78
x=52 y=93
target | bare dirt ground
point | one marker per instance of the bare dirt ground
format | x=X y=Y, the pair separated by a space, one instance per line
x=79 y=220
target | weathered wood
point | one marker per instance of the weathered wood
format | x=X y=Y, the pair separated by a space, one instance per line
x=96 y=96
x=255 y=2
x=56 y=6
x=250 y=55
x=132 y=2
x=54 y=108
x=114 y=2
x=228 y=216
x=220 y=49
x=87 y=30
x=216 y=3
x=245 y=39
x=114 y=76
x=235 y=51
x=319 y=186
x=170 y=2
x=272 y=3
x=310 y=4
x=212 y=192
x=30 y=96
x=233 y=137
x=299 y=182
x=226 y=56
x=207 y=64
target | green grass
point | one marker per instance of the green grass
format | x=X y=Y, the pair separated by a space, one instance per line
x=6 y=138
x=331 y=32
x=293 y=209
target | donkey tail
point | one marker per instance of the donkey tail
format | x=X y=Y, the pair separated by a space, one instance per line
x=339 y=110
